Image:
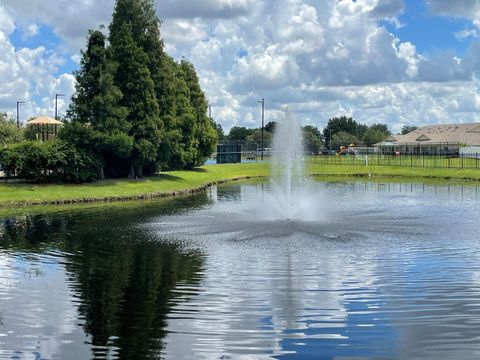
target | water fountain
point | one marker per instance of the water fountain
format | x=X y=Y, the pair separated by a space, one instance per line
x=291 y=196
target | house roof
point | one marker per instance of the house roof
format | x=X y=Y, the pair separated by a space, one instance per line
x=468 y=134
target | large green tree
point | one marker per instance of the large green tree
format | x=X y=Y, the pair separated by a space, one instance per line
x=96 y=99
x=343 y=124
x=98 y=120
x=205 y=133
x=133 y=78
x=145 y=25
x=189 y=136
x=184 y=149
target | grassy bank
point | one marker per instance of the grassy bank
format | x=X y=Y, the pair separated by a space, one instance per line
x=179 y=182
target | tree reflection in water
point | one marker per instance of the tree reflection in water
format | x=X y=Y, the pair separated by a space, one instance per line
x=122 y=279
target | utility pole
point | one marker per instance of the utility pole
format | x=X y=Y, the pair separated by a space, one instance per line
x=56 y=102
x=263 y=119
x=18 y=116
x=330 y=142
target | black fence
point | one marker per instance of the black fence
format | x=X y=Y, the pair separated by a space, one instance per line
x=450 y=161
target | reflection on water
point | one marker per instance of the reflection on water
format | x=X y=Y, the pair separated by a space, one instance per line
x=89 y=284
x=383 y=270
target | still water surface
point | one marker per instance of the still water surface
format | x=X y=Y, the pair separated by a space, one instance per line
x=378 y=271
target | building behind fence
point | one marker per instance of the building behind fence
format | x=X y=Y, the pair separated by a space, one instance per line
x=466 y=158
x=440 y=140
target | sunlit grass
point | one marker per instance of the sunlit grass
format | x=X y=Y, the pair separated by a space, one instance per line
x=178 y=181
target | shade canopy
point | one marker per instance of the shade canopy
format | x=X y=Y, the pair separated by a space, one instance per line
x=44 y=120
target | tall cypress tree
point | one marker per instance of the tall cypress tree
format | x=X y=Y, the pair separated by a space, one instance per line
x=96 y=99
x=160 y=64
x=170 y=154
x=146 y=34
x=141 y=15
x=134 y=80
x=205 y=131
x=99 y=123
x=186 y=122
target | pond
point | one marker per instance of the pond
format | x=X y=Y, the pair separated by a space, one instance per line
x=377 y=270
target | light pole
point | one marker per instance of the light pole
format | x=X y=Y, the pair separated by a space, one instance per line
x=210 y=111
x=263 y=118
x=330 y=142
x=56 y=102
x=18 y=116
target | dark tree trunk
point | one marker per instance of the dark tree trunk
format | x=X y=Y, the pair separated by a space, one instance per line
x=131 y=174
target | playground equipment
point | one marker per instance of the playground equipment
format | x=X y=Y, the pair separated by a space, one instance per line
x=342 y=151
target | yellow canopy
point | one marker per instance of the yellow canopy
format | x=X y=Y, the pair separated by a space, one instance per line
x=44 y=120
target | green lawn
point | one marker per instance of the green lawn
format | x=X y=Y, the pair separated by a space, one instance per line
x=177 y=181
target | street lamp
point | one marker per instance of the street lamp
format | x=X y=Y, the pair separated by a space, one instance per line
x=18 y=117
x=56 y=102
x=330 y=142
x=263 y=118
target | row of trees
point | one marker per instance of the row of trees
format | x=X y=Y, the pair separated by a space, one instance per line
x=135 y=110
x=344 y=131
x=339 y=131
x=135 y=107
x=312 y=137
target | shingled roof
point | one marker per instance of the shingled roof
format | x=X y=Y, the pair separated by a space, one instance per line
x=468 y=134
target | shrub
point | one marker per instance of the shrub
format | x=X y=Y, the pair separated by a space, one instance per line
x=53 y=161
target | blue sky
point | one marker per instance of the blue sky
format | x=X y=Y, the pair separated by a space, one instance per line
x=392 y=61
x=430 y=33
x=50 y=41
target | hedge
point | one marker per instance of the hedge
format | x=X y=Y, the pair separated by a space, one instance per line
x=52 y=161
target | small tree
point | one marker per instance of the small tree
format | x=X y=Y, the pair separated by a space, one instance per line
x=270 y=127
x=220 y=132
x=312 y=139
x=373 y=136
x=343 y=138
x=239 y=133
x=256 y=137
x=9 y=133
x=407 y=129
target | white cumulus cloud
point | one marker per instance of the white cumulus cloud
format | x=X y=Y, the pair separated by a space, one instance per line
x=323 y=57
x=28 y=74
